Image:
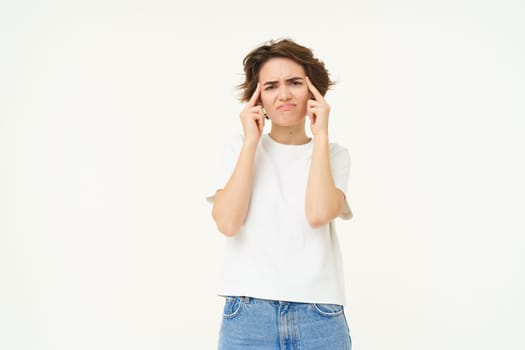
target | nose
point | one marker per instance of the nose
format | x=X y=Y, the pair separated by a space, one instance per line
x=284 y=92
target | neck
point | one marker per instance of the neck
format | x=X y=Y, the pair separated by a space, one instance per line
x=289 y=135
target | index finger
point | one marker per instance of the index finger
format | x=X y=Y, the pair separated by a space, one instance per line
x=314 y=90
x=255 y=96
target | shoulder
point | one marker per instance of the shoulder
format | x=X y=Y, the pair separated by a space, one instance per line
x=337 y=150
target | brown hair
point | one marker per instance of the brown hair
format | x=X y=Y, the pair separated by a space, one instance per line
x=285 y=48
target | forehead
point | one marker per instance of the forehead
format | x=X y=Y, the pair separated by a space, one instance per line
x=278 y=68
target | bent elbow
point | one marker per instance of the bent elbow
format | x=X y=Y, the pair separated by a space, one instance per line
x=321 y=217
x=316 y=220
x=315 y=223
x=227 y=230
x=225 y=227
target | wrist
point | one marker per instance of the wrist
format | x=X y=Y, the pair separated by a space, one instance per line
x=250 y=142
x=321 y=137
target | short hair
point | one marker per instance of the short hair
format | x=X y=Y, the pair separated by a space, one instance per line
x=283 y=48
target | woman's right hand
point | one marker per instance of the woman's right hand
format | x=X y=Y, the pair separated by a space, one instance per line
x=252 y=117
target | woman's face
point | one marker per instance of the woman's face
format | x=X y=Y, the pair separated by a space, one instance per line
x=284 y=92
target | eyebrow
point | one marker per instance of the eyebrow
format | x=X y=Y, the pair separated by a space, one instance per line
x=287 y=80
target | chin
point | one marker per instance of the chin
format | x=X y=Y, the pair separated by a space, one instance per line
x=287 y=120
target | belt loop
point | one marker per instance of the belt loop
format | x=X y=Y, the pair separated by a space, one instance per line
x=245 y=299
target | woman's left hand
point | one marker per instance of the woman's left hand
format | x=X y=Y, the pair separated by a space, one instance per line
x=318 y=110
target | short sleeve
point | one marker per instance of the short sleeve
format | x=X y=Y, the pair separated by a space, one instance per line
x=340 y=166
x=226 y=166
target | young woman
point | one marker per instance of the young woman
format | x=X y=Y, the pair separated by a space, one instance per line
x=276 y=200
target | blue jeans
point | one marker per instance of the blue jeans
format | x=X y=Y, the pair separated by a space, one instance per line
x=251 y=323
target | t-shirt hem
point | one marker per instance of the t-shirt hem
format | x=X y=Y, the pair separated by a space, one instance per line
x=306 y=299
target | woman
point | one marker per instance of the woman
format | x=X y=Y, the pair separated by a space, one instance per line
x=276 y=200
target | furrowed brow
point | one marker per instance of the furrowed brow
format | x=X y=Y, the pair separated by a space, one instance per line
x=295 y=78
x=292 y=79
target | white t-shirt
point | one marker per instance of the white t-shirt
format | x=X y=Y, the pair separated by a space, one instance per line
x=276 y=254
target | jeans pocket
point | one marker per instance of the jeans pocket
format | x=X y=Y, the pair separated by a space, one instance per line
x=232 y=306
x=329 y=310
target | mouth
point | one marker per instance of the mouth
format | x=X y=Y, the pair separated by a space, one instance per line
x=286 y=106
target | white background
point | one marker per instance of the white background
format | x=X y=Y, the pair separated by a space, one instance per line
x=112 y=114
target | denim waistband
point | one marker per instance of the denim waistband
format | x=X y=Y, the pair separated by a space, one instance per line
x=248 y=300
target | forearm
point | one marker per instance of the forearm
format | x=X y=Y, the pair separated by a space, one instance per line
x=231 y=204
x=323 y=199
